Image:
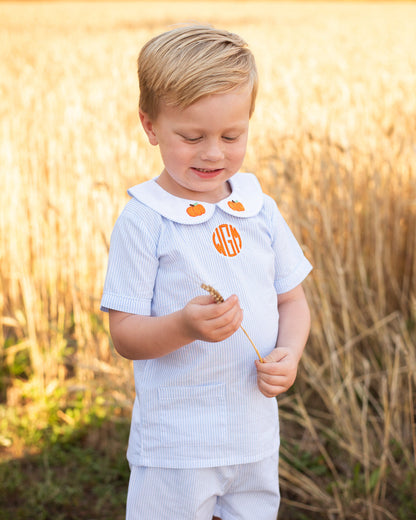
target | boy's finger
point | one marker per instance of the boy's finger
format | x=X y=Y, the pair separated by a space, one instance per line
x=268 y=367
x=203 y=300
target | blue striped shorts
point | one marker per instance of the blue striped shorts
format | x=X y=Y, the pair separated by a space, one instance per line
x=241 y=492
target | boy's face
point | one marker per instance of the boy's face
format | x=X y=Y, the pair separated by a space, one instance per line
x=203 y=145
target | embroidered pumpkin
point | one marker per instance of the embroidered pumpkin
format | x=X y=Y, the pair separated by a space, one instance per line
x=195 y=210
x=236 y=205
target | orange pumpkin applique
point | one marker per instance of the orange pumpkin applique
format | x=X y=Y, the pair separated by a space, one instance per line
x=236 y=205
x=195 y=210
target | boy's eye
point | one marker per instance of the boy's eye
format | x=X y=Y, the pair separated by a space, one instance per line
x=191 y=139
x=226 y=138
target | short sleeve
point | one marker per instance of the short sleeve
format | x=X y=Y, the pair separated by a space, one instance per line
x=132 y=261
x=291 y=265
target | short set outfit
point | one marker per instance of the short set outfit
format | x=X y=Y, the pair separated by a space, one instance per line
x=200 y=406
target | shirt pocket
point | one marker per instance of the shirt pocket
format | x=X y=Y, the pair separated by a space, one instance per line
x=193 y=415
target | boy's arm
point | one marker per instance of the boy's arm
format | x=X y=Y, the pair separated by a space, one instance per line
x=278 y=372
x=149 y=337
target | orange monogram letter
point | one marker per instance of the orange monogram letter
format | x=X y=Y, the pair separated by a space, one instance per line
x=227 y=240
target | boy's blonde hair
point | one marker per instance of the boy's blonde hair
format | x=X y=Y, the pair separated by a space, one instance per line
x=187 y=63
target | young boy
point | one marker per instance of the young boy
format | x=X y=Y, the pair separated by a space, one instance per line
x=204 y=437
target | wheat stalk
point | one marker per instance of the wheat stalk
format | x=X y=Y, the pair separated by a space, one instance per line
x=219 y=299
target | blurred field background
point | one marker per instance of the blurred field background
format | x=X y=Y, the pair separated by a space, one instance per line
x=333 y=139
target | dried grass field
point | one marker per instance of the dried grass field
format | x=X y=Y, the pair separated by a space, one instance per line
x=333 y=139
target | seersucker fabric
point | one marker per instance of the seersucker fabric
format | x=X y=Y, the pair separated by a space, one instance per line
x=200 y=405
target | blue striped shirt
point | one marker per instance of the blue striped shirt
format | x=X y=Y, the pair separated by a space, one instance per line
x=200 y=405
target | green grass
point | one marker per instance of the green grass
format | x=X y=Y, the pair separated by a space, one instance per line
x=66 y=473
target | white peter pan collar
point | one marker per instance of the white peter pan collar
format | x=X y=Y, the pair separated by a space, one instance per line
x=246 y=200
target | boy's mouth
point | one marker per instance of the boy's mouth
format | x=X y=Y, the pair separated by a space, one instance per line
x=205 y=172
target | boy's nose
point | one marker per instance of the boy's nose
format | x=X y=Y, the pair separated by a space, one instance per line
x=213 y=151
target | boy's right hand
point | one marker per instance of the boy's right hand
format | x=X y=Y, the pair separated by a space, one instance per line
x=209 y=321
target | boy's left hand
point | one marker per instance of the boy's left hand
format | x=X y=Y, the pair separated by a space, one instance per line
x=278 y=372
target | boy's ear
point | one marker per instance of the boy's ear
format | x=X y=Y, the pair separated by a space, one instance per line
x=148 y=128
